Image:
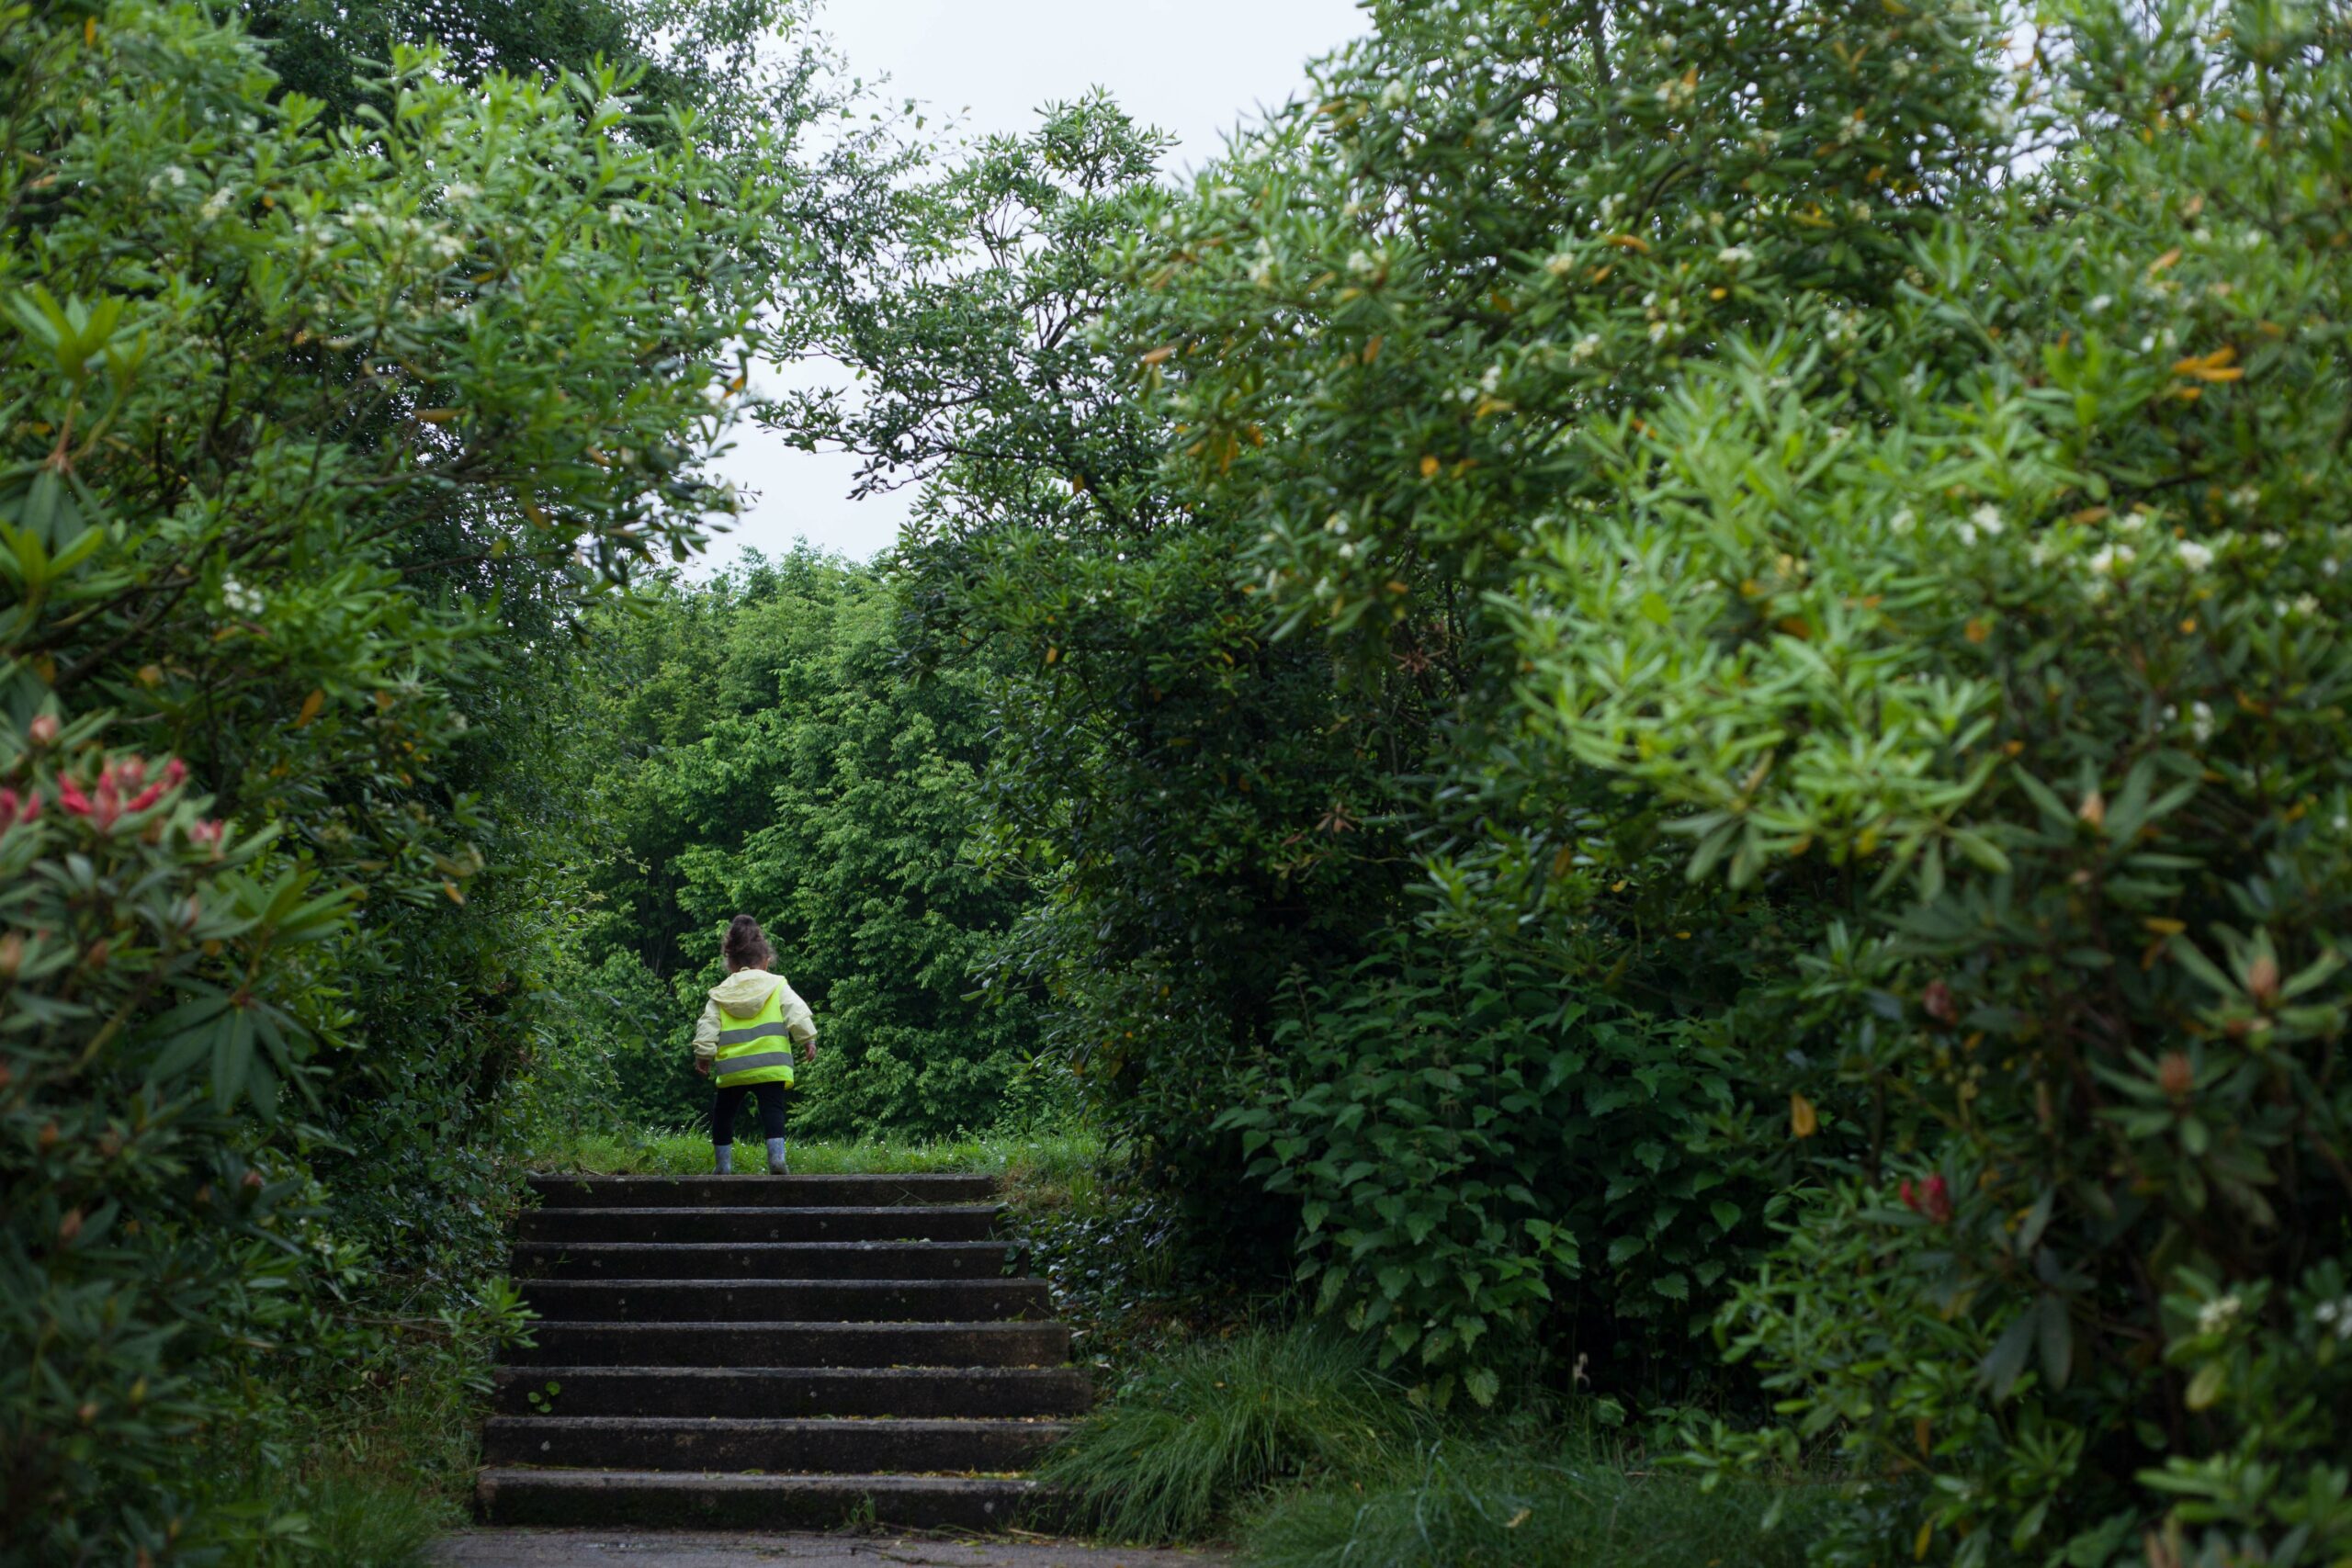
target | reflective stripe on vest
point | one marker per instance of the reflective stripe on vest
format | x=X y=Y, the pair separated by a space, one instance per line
x=747 y=1047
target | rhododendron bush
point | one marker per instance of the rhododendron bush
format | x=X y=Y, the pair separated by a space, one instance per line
x=312 y=438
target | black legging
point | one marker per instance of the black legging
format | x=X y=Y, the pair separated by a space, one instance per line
x=729 y=1100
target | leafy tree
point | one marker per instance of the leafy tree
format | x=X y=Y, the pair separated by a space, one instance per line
x=685 y=56
x=1195 y=805
x=308 y=430
x=768 y=754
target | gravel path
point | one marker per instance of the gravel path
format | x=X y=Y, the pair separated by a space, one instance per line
x=607 y=1549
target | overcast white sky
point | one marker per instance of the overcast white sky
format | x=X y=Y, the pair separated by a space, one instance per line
x=1195 y=68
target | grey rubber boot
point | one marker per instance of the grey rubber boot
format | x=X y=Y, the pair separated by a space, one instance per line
x=775 y=1159
x=725 y=1154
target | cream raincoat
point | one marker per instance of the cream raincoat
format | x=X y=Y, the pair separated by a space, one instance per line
x=744 y=993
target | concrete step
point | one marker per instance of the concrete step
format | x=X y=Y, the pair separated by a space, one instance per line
x=772 y=1445
x=763 y=1260
x=718 y=1344
x=788 y=1300
x=558 y=1190
x=670 y=1499
x=959 y=1222
x=794 y=1390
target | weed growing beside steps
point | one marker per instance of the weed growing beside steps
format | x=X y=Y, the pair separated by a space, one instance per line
x=1500 y=1504
x=369 y=1477
x=1292 y=1441
x=1213 y=1426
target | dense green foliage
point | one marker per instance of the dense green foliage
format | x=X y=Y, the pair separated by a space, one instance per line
x=1680 y=662
x=759 y=749
x=316 y=438
x=1652 y=698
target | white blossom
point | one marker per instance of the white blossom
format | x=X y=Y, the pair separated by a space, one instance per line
x=2200 y=721
x=2216 y=1315
x=217 y=203
x=2194 y=556
x=1985 y=519
x=2109 y=559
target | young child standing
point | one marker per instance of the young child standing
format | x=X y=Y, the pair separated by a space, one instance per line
x=744 y=1041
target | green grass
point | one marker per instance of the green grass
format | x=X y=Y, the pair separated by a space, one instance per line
x=1291 y=1441
x=370 y=1481
x=1466 y=1503
x=1213 y=1425
x=1026 y=1158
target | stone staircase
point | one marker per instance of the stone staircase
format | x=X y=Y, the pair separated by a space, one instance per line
x=774 y=1352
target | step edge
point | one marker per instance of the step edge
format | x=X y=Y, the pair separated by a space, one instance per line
x=769 y=1325
x=772 y=1209
x=669 y=1480
x=811 y=1425
x=986 y=1282
x=909 y=1373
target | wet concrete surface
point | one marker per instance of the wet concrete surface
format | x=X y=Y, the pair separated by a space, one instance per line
x=687 y=1549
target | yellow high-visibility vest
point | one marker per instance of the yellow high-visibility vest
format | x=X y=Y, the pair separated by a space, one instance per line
x=757 y=1049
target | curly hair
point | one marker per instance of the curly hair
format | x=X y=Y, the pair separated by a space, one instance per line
x=746 y=947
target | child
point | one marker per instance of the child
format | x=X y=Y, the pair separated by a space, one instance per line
x=745 y=1037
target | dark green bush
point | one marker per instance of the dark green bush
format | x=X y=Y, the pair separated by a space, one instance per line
x=1476 y=1154
x=314 y=439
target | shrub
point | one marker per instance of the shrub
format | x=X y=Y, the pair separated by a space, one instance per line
x=291 y=409
x=1202 y=1431
x=1475 y=1153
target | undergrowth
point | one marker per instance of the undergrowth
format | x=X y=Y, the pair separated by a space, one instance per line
x=1290 y=1441
x=1213 y=1425
x=365 y=1477
x=1499 y=1503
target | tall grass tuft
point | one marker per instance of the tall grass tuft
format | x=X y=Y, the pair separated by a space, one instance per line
x=1464 y=1504
x=1214 y=1425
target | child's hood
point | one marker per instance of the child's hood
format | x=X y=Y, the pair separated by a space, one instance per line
x=746 y=991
